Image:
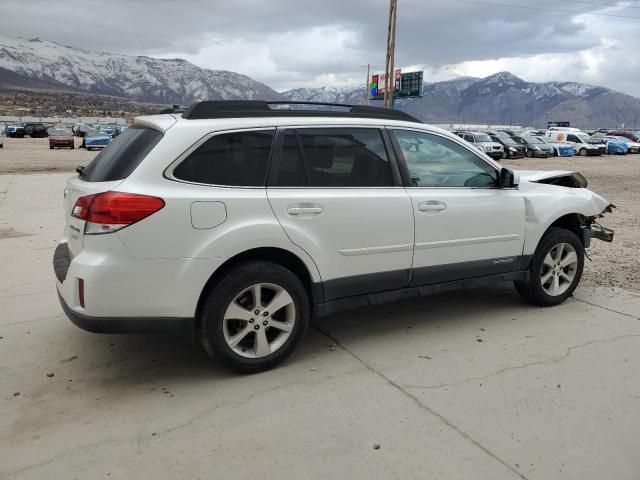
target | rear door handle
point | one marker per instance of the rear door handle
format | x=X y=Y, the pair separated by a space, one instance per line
x=304 y=209
x=432 y=206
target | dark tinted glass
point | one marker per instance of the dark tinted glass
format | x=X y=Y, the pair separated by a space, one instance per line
x=291 y=171
x=335 y=157
x=122 y=156
x=233 y=159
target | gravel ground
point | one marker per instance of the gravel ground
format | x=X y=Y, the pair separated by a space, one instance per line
x=614 y=264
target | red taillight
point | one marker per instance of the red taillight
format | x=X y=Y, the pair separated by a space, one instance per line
x=110 y=211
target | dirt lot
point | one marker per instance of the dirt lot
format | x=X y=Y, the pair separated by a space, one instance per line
x=614 y=265
x=30 y=155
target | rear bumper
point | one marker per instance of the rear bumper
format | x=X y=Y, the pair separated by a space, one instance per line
x=121 y=294
x=174 y=325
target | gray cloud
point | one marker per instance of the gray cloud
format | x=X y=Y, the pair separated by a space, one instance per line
x=284 y=42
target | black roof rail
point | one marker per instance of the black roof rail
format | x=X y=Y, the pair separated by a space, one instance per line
x=261 y=108
x=173 y=109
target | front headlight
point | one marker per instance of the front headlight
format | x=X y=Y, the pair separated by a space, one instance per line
x=535 y=147
x=511 y=149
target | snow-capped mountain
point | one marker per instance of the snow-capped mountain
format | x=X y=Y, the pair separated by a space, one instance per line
x=504 y=98
x=347 y=95
x=138 y=77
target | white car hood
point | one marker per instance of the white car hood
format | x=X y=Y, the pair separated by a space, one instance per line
x=536 y=175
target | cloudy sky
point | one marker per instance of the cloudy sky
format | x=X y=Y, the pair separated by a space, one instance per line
x=294 y=43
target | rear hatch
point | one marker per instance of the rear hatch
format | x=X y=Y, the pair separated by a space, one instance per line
x=104 y=173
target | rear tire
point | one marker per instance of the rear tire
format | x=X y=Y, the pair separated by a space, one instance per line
x=556 y=269
x=245 y=341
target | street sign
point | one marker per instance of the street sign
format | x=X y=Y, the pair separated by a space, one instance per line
x=373 y=87
x=405 y=85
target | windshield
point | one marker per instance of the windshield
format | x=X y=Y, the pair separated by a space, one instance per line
x=534 y=140
x=507 y=140
x=483 y=138
x=60 y=132
x=582 y=136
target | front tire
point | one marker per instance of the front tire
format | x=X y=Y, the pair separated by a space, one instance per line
x=254 y=317
x=583 y=152
x=556 y=269
x=529 y=154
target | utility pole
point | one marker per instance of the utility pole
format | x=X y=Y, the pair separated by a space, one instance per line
x=366 y=83
x=391 y=45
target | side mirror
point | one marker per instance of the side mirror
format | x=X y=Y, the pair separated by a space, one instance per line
x=508 y=179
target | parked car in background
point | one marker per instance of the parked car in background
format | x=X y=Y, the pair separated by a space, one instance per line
x=95 y=139
x=560 y=149
x=1 y=141
x=15 y=131
x=61 y=137
x=35 y=130
x=634 y=147
x=108 y=129
x=484 y=143
x=511 y=132
x=511 y=148
x=578 y=139
x=633 y=136
x=534 y=146
x=81 y=129
x=615 y=146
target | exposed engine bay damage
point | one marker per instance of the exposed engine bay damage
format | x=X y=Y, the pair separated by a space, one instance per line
x=597 y=230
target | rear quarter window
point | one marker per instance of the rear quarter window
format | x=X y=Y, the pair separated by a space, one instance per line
x=122 y=156
x=239 y=159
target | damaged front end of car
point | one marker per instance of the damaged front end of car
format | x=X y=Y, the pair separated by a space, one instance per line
x=579 y=209
x=593 y=229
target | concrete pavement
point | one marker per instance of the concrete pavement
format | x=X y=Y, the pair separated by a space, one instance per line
x=471 y=384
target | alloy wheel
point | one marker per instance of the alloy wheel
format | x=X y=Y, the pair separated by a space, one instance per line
x=259 y=320
x=559 y=269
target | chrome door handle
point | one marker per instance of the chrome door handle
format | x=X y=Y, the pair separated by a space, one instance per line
x=302 y=209
x=432 y=206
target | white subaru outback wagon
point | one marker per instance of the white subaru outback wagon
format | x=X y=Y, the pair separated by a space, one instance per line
x=242 y=220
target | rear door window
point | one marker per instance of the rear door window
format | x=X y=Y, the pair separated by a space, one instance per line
x=334 y=157
x=238 y=159
x=122 y=156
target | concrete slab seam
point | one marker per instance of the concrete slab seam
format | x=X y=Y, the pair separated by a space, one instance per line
x=423 y=406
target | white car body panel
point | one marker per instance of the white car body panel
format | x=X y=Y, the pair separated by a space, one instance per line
x=475 y=224
x=357 y=231
x=159 y=266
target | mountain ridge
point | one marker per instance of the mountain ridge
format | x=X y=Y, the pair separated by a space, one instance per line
x=141 y=78
x=504 y=98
